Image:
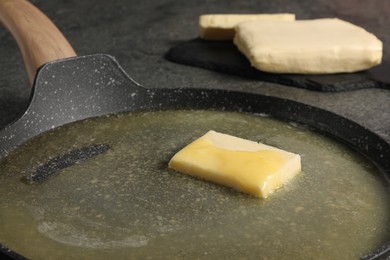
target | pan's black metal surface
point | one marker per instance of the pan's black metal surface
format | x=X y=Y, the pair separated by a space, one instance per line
x=56 y=164
x=71 y=90
x=78 y=88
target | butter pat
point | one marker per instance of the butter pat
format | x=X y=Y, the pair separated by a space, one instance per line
x=244 y=165
x=221 y=26
x=308 y=46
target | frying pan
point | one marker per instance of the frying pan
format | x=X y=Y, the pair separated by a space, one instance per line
x=67 y=88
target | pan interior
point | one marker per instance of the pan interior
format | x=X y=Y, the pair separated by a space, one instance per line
x=124 y=202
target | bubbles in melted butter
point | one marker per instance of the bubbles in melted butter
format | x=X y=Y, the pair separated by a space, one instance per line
x=124 y=202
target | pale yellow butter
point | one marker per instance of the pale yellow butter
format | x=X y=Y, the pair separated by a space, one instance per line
x=308 y=46
x=221 y=26
x=244 y=165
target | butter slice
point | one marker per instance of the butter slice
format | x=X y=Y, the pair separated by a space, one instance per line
x=308 y=46
x=221 y=26
x=244 y=165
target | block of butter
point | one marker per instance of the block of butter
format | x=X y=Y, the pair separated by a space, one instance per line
x=221 y=26
x=316 y=46
x=244 y=165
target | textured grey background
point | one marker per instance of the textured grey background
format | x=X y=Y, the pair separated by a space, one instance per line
x=139 y=33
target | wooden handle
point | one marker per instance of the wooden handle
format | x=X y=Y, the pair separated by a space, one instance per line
x=39 y=40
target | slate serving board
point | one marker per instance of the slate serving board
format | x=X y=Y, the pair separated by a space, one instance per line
x=223 y=56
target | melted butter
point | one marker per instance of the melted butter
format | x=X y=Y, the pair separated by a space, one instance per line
x=126 y=204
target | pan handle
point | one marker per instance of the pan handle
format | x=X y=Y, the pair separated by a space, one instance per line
x=39 y=40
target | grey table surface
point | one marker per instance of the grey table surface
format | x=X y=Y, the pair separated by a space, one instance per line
x=139 y=33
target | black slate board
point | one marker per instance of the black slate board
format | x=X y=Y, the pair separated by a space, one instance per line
x=223 y=56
